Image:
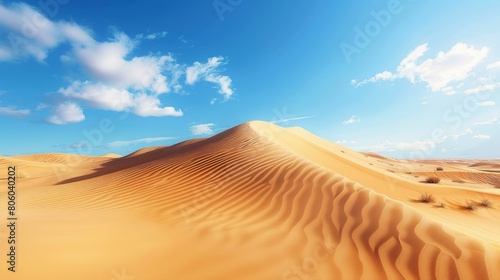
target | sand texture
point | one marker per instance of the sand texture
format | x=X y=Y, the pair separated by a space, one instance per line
x=255 y=202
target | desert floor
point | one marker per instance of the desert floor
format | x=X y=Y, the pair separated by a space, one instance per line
x=255 y=202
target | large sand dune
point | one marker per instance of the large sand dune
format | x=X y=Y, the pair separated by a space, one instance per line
x=255 y=202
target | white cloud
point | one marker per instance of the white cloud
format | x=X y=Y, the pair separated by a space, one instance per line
x=438 y=72
x=74 y=146
x=29 y=33
x=224 y=83
x=152 y=36
x=120 y=80
x=41 y=106
x=408 y=66
x=343 y=141
x=292 y=119
x=201 y=129
x=448 y=90
x=486 y=103
x=76 y=35
x=99 y=96
x=424 y=103
x=106 y=62
x=66 y=113
x=121 y=144
x=451 y=92
x=384 y=76
x=352 y=120
x=209 y=72
x=103 y=97
x=468 y=131
x=198 y=69
x=403 y=146
x=482 y=88
x=150 y=106
x=493 y=65
x=14 y=113
x=444 y=150
x=495 y=120
x=481 y=137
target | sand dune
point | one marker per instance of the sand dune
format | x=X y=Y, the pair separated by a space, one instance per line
x=255 y=202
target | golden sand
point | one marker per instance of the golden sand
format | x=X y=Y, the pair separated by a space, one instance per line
x=255 y=202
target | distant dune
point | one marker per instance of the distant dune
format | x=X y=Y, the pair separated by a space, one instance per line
x=255 y=202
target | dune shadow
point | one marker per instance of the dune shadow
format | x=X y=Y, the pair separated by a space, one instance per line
x=131 y=160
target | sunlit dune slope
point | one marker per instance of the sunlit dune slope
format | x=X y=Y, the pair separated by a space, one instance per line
x=255 y=202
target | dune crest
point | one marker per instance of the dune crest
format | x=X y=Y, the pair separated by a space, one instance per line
x=254 y=202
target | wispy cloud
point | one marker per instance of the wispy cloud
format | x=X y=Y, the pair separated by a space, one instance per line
x=495 y=120
x=152 y=36
x=121 y=144
x=352 y=120
x=14 y=113
x=389 y=146
x=493 y=65
x=481 y=137
x=292 y=119
x=481 y=88
x=74 y=146
x=209 y=72
x=343 y=141
x=486 y=103
x=437 y=72
x=202 y=129
x=468 y=131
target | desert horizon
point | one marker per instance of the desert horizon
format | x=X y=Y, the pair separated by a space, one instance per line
x=249 y=140
x=257 y=201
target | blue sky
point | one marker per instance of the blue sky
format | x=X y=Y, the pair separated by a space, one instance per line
x=407 y=79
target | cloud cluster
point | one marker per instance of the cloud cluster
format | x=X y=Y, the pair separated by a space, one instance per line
x=101 y=96
x=118 y=80
x=438 y=72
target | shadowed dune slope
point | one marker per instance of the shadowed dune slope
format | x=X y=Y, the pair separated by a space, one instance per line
x=255 y=202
